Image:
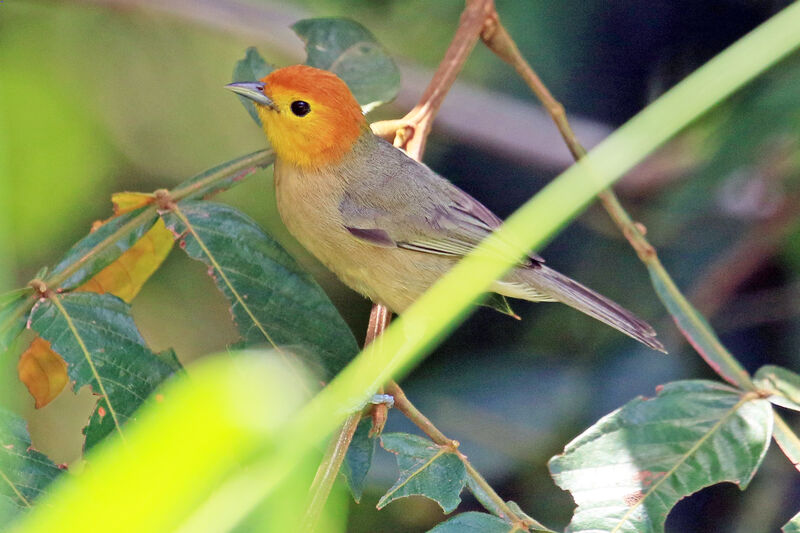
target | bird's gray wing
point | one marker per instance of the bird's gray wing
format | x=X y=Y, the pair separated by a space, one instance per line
x=405 y=204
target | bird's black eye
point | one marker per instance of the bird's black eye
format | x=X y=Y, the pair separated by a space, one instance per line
x=300 y=108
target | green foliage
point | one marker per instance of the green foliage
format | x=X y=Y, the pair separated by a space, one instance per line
x=359 y=458
x=350 y=51
x=24 y=472
x=793 y=525
x=12 y=319
x=473 y=522
x=782 y=383
x=106 y=255
x=272 y=299
x=426 y=469
x=235 y=444
x=96 y=336
x=251 y=68
x=629 y=469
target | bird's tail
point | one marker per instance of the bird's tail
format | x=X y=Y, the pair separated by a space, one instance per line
x=540 y=283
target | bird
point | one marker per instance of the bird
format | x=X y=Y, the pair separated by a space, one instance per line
x=386 y=224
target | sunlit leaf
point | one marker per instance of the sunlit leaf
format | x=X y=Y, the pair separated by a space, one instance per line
x=125 y=277
x=793 y=525
x=272 y=299
x=426 y=469
x=12 y=320
x=102 y=258
x=350 y=51
x=43 y=371
x=251 y=68
x=474 y=522
x=96 y=336
x=24 y=472
x=359 y=458
x=628 y=470
x=125 y=202
x=782 y=383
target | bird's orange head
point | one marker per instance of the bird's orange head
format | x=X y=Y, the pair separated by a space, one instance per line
x=309 y=115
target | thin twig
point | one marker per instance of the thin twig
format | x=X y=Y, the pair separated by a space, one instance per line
x=335 y=454
x=500 y=42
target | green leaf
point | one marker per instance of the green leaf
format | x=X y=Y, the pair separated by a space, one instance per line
x=786 y=439
x=474 y=522
x=24 y=472
x=104 y=257
x=96 y=336
x=251 y=68
x=782 y=383
x=359 y=458
x=208 y=182
x=793 y=525
x=628 y=470
x=350 y=51
x=697 y=329
x=272 y=299
x=12 y=317
x=426 y=469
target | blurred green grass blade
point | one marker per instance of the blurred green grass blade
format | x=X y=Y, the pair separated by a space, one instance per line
x=473 y=522
x=179 y=451
x=782 y=383
x=272 y=299
x=439 y=309
x=787 y=440
x=350 y=51
x=96 y=336
x=628 y=470
x=24 y=472
x=426 y=469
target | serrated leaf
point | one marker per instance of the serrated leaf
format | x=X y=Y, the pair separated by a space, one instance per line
x=474 y=522
x=98 y=339
x=426 y=469
x=251 y=68
x=359 y=458
x=42 y=371
x=101 y=258
x=350 y=51
x=783 y=384
x=272 y=299
x=212 y=181
x=12 y=320
x=793 y=525
x=24 y=472
x=629 y=469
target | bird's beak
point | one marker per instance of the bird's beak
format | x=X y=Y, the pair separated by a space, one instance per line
x=254 y=90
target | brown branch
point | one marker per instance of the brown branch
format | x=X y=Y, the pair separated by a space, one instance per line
x=413 y=129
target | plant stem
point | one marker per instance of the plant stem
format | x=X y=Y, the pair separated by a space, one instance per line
x=331 y=463
x=721 y=360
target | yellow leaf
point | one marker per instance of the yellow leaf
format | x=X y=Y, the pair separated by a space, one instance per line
x=125 y=202
x=43 y=371
x=126 y=276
